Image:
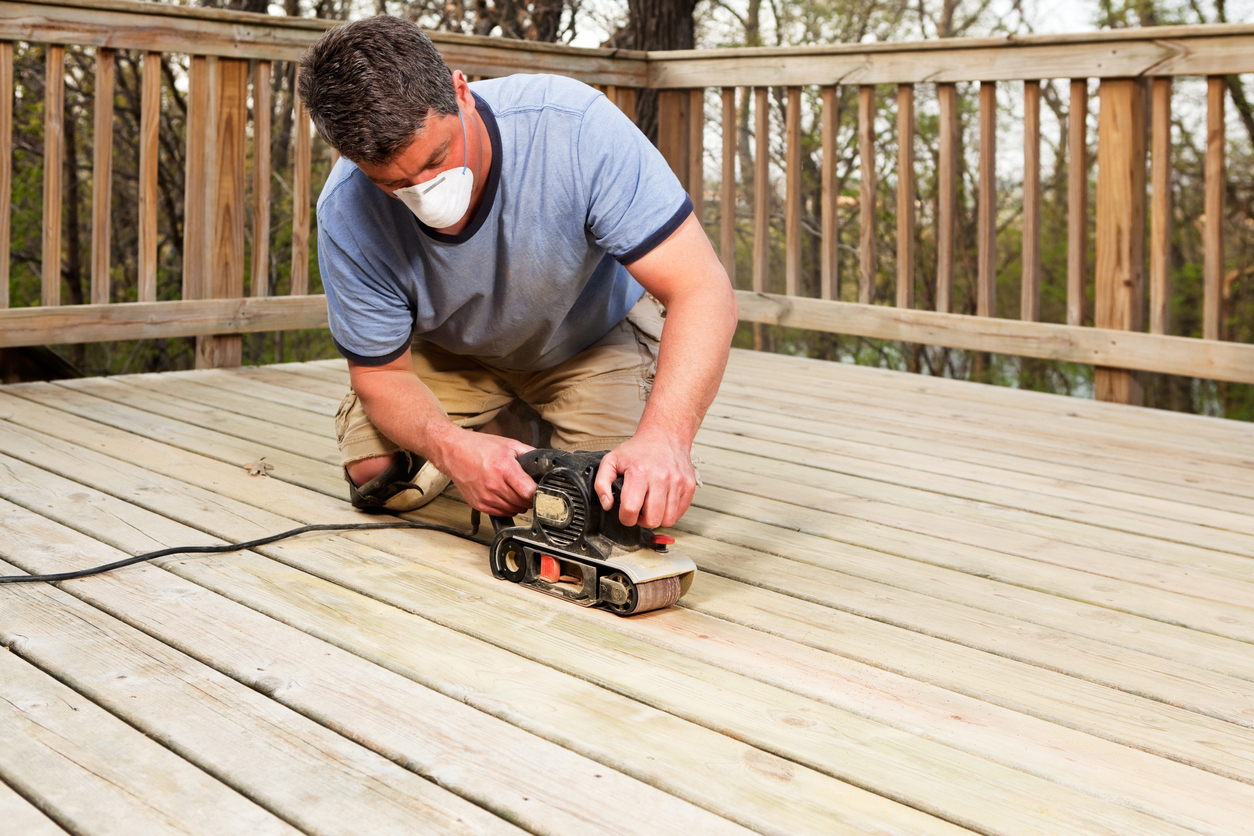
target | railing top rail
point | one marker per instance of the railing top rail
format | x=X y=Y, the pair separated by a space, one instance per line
x=1160 y=51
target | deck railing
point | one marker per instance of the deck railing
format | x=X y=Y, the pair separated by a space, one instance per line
x=230 y=58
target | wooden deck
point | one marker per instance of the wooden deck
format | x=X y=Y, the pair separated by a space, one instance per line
x=924 y=607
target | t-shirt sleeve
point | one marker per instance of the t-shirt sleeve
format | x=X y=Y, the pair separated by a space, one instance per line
x=635 y=200
x=370 y=319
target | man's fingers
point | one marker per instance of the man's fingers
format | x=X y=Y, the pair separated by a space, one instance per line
x=604 y=483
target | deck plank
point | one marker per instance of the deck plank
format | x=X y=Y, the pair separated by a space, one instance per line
x=102 y=776
x=924 y=606
x=23 y=817
x=305 y=774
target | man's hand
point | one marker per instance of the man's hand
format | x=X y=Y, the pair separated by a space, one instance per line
x=658 y=479
x=485 y=469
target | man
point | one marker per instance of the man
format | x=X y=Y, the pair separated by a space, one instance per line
x=532 y=246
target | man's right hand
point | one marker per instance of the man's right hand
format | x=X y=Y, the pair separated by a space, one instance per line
x=485 y=470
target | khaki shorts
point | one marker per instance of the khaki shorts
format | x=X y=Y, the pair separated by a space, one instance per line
x=593 y=401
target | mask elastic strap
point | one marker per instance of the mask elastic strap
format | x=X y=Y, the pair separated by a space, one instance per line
x=465 y=146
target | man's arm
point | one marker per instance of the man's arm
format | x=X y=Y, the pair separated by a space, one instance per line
x=684 y=274
x=483 y=466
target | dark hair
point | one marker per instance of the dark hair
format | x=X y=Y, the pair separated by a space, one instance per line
x=370 y=85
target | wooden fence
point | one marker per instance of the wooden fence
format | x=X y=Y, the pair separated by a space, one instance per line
x=229 y=51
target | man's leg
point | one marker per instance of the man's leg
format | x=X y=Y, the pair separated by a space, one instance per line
x=384 y=477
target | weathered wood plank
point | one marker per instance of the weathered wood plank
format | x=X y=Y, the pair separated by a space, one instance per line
x=1077 y=199
x=24 y=817
x=54 y=158
x=101 y=177
x=304 y=773
x=947 y=196
x=568 y=629
x=905 y=196
x=199 y=131
x=868 y=262
x=986 y=234
x=792 y=192
x=149 y=125
x=1213 y=228
x=302 y=174
x=1094 y=346
x=1120 y=276
x=96 y=774
x=1160 y=211
x=1030 y=285
x=259 y=274
x=553 y=705
x=6 y=166
x=829 y=244
x=761 y=189
x=696 y=152
x=491 y=763
x=149 y=320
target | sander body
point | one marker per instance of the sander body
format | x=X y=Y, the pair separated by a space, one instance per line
x=578 y=551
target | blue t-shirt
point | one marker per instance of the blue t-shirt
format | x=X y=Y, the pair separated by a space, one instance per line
x=575 y=192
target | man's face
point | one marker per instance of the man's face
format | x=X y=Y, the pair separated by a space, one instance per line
x=438 y=147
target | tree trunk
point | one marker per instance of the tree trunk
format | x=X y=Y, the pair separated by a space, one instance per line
x=657 y=24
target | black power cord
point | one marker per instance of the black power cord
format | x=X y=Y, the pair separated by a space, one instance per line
x=233 y=547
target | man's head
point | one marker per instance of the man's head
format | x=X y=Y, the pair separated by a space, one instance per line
x=370 y=86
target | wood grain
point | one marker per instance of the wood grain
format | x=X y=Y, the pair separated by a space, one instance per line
x=302 y=174
x=947 y=195
x=149 y=126
x=1094 y=346
x=905 y=196
x=792 y=200
x=1160 y=209
x=1213 y=227
x=6 y=166
x=986 y=234
x=1030 y=285
x=868 y=261
x=102 y=177
x=696 y=152
x=1077 y=200
x=829 y=244
x=259 y=274
x=54 y=159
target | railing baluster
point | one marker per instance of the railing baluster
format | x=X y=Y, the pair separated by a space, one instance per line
x=226 y=279
x=792 y=208
x=671 y=127
x=866 y=219
x=626 y=102
x=829 y=279
x=727 y=199
x=1077 y=199
x=696 y=151
x=761 y=189
x=1213 y=230
x=194 y=178
x=259 y=275
x=947 y=196
x=6 y=164
x=1160 y=210
x=1120 y=225
x=986 y=281
x=149 y=124
x=1030 y=292
x=301 y=176
x=54 y=149
x=905 y=195
x=102 y=178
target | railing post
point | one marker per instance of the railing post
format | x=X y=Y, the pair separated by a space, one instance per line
x=1120 y=225
x=905 y=195
x=102 y=177
x=1030 y=293
x=1213 y=230
x=6 y=164
x=1077 y=199
x=695 y=135
x=1160 y=212
x=672 y=131
x=225 y=251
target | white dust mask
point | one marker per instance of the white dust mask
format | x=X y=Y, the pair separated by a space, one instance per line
x=442 y=201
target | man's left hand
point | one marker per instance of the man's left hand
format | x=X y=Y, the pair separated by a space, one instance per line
x=658 y=479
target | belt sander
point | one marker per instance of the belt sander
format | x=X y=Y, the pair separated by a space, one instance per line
x=576 y=550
